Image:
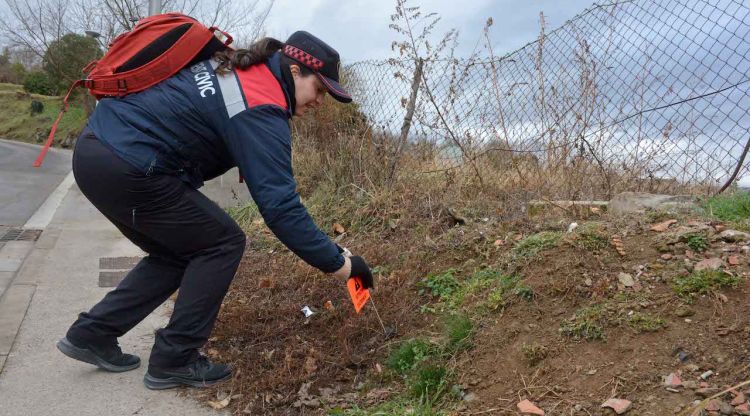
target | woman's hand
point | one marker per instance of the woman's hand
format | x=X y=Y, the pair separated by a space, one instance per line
x=355 y=266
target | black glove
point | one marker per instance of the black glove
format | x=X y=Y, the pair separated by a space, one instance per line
x=362 y=270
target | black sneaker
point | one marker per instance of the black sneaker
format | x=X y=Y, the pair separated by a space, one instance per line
x=110 y=358
x=199 y=373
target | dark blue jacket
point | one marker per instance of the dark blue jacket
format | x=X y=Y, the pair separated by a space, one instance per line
x=198 y=124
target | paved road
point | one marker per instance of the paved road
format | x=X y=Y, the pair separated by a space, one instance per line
x=24 y=188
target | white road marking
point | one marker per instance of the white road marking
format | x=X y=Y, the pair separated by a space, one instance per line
x=43 y=215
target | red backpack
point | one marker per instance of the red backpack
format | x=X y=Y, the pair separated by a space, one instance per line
x=156 y=48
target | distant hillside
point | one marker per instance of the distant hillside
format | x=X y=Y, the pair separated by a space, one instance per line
x=17 y=122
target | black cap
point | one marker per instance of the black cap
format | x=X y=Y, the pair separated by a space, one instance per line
x=322 y=59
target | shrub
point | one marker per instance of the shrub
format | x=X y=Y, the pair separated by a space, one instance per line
x=38 y=82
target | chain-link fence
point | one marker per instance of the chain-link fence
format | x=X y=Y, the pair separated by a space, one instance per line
x=648 y=95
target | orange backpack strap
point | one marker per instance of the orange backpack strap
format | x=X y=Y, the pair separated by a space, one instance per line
x=48 y=143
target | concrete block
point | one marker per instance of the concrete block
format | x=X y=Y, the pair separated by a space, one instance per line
x=14 y=250
x=10 y=265
x=13 y=306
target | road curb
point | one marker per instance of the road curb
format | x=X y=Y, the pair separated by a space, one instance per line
x=13 y=307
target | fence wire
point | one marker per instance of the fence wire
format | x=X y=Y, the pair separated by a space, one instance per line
x=644 y=95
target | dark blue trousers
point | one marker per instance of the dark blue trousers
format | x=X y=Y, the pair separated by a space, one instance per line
x=192 y=245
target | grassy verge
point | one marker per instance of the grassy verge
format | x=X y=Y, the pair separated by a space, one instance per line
x=17 y=122
x=733 y=208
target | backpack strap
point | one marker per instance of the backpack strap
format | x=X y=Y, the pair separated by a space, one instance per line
x=48 y=143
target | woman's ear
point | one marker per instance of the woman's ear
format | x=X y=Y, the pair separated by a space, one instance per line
x=295 y=71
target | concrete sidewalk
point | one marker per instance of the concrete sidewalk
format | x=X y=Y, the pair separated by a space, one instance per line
x=58 y=279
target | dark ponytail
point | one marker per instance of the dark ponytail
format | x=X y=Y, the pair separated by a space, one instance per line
x=258 y=52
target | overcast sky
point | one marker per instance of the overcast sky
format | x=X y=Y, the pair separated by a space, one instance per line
x=358 y=29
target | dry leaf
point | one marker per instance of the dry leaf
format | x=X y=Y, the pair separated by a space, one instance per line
x=662 y=226
x=328 y=305
x=617 y=243
x=218 y=405
x=269 y=283
x=311 y=364
x=213 y=352
x=338 y=228
x=499 y=243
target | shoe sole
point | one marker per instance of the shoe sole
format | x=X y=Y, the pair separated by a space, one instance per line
x=155 y=383
x=87 y=356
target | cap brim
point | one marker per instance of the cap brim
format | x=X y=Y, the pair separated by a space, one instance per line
x=335 y=89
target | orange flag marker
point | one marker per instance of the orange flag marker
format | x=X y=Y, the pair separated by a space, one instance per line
x=358 y=294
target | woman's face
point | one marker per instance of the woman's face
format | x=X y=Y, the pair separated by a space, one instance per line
x=309 y=91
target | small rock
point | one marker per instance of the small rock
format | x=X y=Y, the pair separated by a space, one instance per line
x=690 y=254
x=707 y=374
x=743 y=409
x=626 y=279
x=572 y=227
x=620 y=406
x=672 y=380
x=739 y=399
x=719 y=228
x=733 y=260
x=725 y=408
x=588 y=282
x=470 y=397
x=713 y=406
x=666 y=256
x=683 y=311
x=528 y=408
x=734 y=236
x=662 y=226
x=709 y=264
x=745 y=249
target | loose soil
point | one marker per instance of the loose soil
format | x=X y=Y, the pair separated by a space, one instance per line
x=288 y=364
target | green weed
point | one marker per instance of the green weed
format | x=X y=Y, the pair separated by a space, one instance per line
x=592 y=237
x=441 y=285
x=534 y=244
x=642 y=322
x=498 y=297
x=534 y=353
x=408 y=355
x=429 y=382
x=697 y=242
x=458 y=331
x=587 y=324
x=244 y=215
x=702 y=282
